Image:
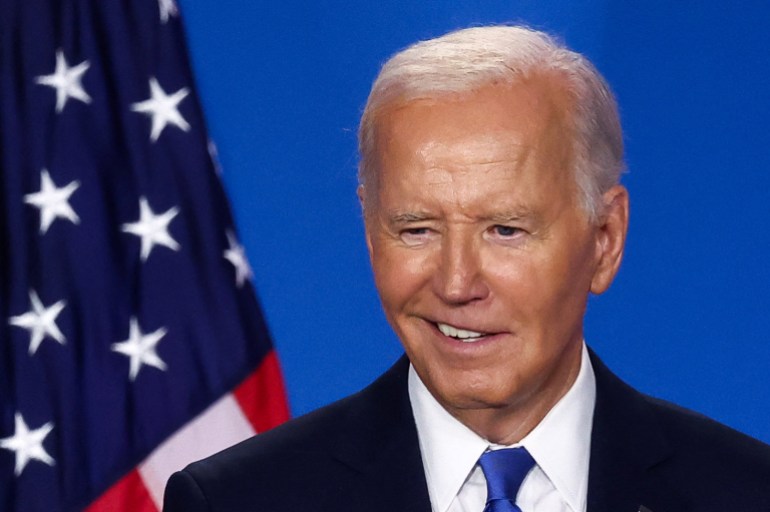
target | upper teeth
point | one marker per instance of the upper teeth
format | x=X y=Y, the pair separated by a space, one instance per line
x=465 y=335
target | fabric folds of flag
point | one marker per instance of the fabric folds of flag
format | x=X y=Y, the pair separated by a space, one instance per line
x=131 y=340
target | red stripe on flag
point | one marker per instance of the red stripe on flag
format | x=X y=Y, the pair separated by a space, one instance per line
x=262 y=396
x=128 y=494
x=262 y=399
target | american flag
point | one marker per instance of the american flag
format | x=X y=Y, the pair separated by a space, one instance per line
x=131 y=340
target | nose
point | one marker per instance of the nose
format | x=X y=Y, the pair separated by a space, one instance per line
x=459 y=278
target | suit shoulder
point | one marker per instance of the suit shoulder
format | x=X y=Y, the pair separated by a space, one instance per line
x=694 y=436
x=262 y=471
x=306 y=434
x=317 y=452
x=704 y=440
x=328 y=429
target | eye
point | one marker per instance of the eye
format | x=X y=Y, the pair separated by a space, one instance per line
x=415 y=235
x=506 y=231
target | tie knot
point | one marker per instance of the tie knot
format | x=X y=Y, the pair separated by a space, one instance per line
x=505 y=471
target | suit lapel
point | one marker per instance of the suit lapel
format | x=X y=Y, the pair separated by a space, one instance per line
x=378 y=440
x=627 y=443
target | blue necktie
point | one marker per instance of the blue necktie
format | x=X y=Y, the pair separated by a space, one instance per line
x=504 y=471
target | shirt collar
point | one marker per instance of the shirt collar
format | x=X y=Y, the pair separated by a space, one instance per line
x=560 y=443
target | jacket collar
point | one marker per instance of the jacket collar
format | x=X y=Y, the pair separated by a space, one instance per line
x=627 y=443
x=378 y=439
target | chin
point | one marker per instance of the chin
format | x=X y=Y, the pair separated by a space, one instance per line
x=472 y=394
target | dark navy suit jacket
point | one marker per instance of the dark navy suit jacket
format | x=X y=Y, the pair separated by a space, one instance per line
x=362 y=454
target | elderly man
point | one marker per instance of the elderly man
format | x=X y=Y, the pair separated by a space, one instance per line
x=490 y=163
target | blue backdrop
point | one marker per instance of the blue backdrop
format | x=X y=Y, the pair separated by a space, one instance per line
x=283 y=82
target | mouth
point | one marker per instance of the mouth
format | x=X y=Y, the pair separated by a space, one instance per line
x=462 y=335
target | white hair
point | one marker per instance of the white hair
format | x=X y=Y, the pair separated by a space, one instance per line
x=467 y=60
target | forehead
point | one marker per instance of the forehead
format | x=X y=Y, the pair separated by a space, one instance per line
x=541 y=94
x=496 y=134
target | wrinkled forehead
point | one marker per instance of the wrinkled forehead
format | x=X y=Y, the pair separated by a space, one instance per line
x=542 y=97
x=500 y=140
x=491 y=122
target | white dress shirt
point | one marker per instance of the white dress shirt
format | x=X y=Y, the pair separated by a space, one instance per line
x=560 y=445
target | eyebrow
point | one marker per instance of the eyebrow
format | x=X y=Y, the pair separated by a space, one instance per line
x=516 y=214
x=407 y=217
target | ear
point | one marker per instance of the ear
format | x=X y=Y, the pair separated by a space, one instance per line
x=611 y=237
x=361 y=193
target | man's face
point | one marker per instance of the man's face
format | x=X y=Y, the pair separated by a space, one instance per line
x=481 y=255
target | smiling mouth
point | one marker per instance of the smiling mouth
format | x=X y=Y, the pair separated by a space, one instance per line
x=463 y=335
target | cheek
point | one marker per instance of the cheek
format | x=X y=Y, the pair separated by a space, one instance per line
x=517 y=280
x=399 y=273
x=542 y=288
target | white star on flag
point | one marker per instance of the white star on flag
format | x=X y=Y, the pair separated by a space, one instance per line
x=153 y=229
x=140 y=348
x=27 y=444
x=237 y=256
x=67 y=81
x=40 y=321
x=214 y=155
x=162 y=108
x=167 y=8
x=53 y=202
